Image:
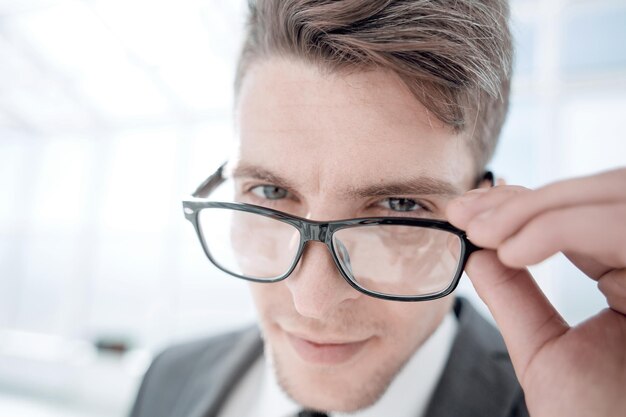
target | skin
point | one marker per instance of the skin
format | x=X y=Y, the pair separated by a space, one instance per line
x=321 y=137
x=565 y=371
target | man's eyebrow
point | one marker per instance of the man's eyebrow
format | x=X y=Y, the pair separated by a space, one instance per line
x=424 y=185
x=260 y=173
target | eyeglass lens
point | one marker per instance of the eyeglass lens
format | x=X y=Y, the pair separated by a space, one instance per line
x=397 y=259
x=249 y=244
x=389 y=259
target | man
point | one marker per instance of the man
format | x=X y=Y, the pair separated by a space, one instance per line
x=389 y=110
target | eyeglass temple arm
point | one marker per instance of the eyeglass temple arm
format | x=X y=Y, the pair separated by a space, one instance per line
x=489 y=177
x=210 y=183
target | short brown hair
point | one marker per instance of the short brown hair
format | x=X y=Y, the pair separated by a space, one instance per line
x=454 y=55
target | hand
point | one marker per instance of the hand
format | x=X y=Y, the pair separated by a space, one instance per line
x=564 y=371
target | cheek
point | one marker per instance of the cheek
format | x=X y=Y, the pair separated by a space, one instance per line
x=271 y=300
x=408 y=325
x=261 y=295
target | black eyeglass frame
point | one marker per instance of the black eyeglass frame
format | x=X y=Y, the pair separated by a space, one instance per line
x=322 y=231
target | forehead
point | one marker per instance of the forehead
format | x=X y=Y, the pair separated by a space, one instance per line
x=335 y=130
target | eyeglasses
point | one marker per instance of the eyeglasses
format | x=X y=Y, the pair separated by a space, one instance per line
x=393 y=258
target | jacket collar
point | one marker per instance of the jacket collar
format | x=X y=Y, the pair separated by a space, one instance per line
x=478 y=379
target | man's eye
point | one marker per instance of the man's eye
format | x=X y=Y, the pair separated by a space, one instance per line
x=269 y=192
x=402 y=204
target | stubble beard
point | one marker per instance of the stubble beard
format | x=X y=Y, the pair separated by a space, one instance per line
x=353 y=396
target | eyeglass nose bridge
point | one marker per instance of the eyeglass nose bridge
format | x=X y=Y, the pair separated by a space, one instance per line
x=314 y=232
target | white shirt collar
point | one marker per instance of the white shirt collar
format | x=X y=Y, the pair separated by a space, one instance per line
x=259 y=394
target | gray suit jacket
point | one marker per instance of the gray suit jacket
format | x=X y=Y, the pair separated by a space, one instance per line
x=194 y=379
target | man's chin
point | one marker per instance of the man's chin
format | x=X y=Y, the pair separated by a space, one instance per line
x=332 y=388
x=345 y=399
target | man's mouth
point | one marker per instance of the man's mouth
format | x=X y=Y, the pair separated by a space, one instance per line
x=324 y=352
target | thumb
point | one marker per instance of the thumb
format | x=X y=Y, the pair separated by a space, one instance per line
x=524 y=315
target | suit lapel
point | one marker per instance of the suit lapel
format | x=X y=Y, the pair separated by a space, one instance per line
x=478 y=379
x=214 y=379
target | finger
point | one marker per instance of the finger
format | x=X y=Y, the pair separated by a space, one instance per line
x=595 y=231
x=587 y=263
x=613 y=286
x=524 y=315
x=498 y=224
x=462 y=210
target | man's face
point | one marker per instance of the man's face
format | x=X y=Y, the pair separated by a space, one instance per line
x=330 y=147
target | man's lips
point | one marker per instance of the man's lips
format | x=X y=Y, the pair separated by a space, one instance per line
x=332 y=351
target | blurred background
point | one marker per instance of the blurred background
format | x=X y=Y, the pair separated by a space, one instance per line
x=112 y=110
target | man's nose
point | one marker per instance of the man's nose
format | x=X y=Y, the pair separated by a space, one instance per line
x=316 y=285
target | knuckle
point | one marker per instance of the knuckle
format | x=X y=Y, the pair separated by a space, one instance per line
x=510 y=189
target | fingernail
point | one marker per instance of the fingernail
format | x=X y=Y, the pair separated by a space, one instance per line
x=472 y=195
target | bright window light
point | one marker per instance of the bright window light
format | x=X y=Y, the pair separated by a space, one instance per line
x=62 y=190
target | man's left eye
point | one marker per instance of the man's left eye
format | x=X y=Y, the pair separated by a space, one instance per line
x=402 y=204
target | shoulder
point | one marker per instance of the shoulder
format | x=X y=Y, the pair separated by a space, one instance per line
x=184 y=356
x=180 y=375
